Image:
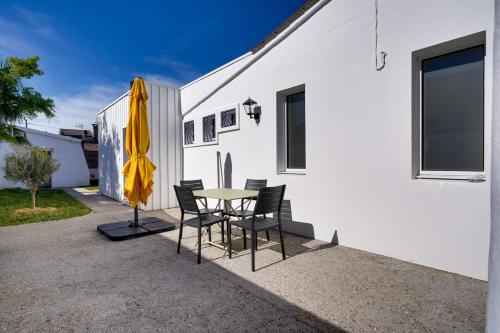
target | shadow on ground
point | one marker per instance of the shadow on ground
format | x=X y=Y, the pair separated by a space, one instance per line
x=63 y=276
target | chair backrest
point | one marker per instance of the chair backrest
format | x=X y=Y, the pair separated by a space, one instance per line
x=255 y=184
x=195 y=184
x=269 y=200
x=186 y=199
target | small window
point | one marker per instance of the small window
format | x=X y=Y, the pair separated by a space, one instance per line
x=209 y=128
x=228 y=118
x=295 y=131
x=452 y=112
x=291 y=130
x=189 y=132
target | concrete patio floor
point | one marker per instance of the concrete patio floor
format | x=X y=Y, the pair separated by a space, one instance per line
x=62 y=276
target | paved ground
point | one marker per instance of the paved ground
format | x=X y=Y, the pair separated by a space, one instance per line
x=62 y=276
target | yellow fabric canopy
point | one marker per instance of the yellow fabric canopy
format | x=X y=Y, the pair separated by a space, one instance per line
x=138 y=169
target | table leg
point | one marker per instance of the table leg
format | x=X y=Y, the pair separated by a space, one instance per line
x=227 y=205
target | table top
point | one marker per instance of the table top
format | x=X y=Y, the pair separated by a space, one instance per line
x=225 y=193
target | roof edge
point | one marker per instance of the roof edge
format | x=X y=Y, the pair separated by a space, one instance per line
x=128 y=91
x=296 y=15
x=218 y=69
x=112 y=103
x=314 y=7
x=52 y=135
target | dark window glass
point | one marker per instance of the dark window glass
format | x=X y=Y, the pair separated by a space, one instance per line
x=208 y=128
x=189 y=132
x=228 y=118
x=453 y=111
x=295 y=131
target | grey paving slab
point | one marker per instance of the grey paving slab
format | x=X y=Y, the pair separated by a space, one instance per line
x=75 y=280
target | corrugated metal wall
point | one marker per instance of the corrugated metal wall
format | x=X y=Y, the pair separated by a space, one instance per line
x=165 y=152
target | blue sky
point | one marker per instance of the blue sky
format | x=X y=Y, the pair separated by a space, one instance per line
x=90 y=50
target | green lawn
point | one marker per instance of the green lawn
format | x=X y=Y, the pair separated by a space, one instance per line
x=13 y=199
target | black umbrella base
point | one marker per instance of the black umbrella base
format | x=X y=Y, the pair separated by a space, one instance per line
x=123 y=230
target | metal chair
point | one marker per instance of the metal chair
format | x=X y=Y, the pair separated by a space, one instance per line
x=197 y=184
x=269 y=201
x=187 y=203
x=254 y=185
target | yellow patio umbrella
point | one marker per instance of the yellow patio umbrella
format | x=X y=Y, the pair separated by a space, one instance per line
x=139 y=169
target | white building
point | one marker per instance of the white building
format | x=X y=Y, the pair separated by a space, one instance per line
x=375 y=114
x=359 y=170
x=73 y=170
x=166 y=147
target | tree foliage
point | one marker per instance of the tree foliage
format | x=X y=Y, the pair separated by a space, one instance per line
x=30 y=165
x=18 y=102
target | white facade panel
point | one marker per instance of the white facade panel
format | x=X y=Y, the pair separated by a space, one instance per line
x=203 y=86
x=73 y=170
x=358 y=183
x=163 y=147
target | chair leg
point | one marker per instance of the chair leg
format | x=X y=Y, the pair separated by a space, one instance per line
x=282 y=243
x=209 y=233
x=255 y=237
x=229 y=241
x=199 y=245
x=254 y=243
x=180 y=237
x=222 y=231
x=267 y=231
x=244 y=239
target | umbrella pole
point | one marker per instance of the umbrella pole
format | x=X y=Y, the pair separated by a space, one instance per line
x=136 y=217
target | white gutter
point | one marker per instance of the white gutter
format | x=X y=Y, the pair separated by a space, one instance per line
x=294 y=26
x=218 y=69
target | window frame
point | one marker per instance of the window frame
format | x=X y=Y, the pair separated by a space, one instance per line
x=214 y=136
x=457 y=45
x=184 y=133
x=282 y=127
x=233 y=110
x=287 y=169
x=236 y=126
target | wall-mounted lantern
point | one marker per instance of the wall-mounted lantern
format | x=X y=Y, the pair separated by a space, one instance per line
x=251 y=110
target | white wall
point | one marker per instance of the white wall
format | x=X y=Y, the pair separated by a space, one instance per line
x=358 y=126
x=165 y=148
x=68 y=152
x=493 y=309
x=205 y=84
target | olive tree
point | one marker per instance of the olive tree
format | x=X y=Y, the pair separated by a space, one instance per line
x=30 y=165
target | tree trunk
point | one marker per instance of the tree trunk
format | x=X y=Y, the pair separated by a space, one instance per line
x=33 y=198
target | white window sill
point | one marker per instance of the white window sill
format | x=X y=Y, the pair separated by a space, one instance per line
x=294 y=172
x=473 y=178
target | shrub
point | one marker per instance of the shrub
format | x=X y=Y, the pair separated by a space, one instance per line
x=30 y=165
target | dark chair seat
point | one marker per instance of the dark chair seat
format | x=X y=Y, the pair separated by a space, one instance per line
x=204 y=211
x=269 y=200
x=260 y=223
x=188 y=204
x=240 y=213
x=197 y=184
x=206 y=220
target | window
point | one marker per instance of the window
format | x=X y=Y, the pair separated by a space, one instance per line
x=189 y=132
x=228 y=118
x=295 y=131
x=291 y=130
x=209 y=128
x=452 y=112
